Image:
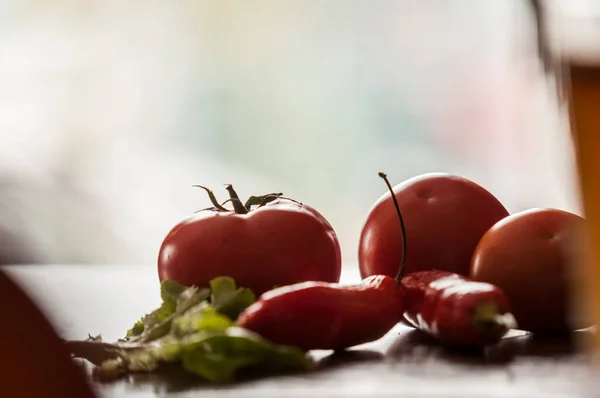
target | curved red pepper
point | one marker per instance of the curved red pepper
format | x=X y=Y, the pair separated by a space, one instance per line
x=456 y=310
x=318 y=315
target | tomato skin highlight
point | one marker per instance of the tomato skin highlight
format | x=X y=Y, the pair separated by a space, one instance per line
x=445 y=216
x=531 y=255
x=281 y=243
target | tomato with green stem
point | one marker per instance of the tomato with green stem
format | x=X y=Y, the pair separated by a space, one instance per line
x=262 y=243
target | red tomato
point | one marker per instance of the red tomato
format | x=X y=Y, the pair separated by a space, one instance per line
x=34 y=362
x=531 y=256
x=281 y=243
x=445 y=216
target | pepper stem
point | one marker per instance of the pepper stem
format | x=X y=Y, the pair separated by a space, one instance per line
x=402 y=227
x=489 y=320
x=238 y=206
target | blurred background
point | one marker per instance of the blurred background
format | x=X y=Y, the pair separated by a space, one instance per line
x=111 y=110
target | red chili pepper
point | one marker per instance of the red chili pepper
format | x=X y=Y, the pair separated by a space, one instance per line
x=318 y=315
x=456 y=310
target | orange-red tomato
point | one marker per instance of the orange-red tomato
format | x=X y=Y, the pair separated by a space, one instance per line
x=531 y=256
x=281 y=243
x=445 y=216
x=34 y=362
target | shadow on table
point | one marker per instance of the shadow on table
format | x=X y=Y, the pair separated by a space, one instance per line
x=531 y=345
x=415 y=346
x=166 y=379
x=348 y=358
x=410 y=346
x=172 y=379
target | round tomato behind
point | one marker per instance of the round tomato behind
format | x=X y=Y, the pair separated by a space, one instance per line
x=532 y=256
x=34 y=361
x=278 y=243
x=444 y=215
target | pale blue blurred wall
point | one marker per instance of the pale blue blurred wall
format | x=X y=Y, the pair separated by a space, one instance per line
x=110 y=110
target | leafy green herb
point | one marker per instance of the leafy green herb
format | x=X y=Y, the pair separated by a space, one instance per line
x=227 y=299
x=170 y=292
x=202 y=318
x=176 y=299
x=217 y=356
x=196 y=328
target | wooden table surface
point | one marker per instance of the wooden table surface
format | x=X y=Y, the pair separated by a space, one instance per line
x=108 y=299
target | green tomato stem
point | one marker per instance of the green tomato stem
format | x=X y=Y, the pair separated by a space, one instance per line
x=212 y=197
x=238 y=206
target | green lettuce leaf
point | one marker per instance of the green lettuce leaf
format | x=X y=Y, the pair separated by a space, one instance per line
x=229 y=300
x=176 y=299
x=196 y=328
x=152 y=319
x=171 y=290
x=199 y=319
x=217 y=357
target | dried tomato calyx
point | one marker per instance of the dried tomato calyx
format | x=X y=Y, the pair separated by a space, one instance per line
x=238 y=206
